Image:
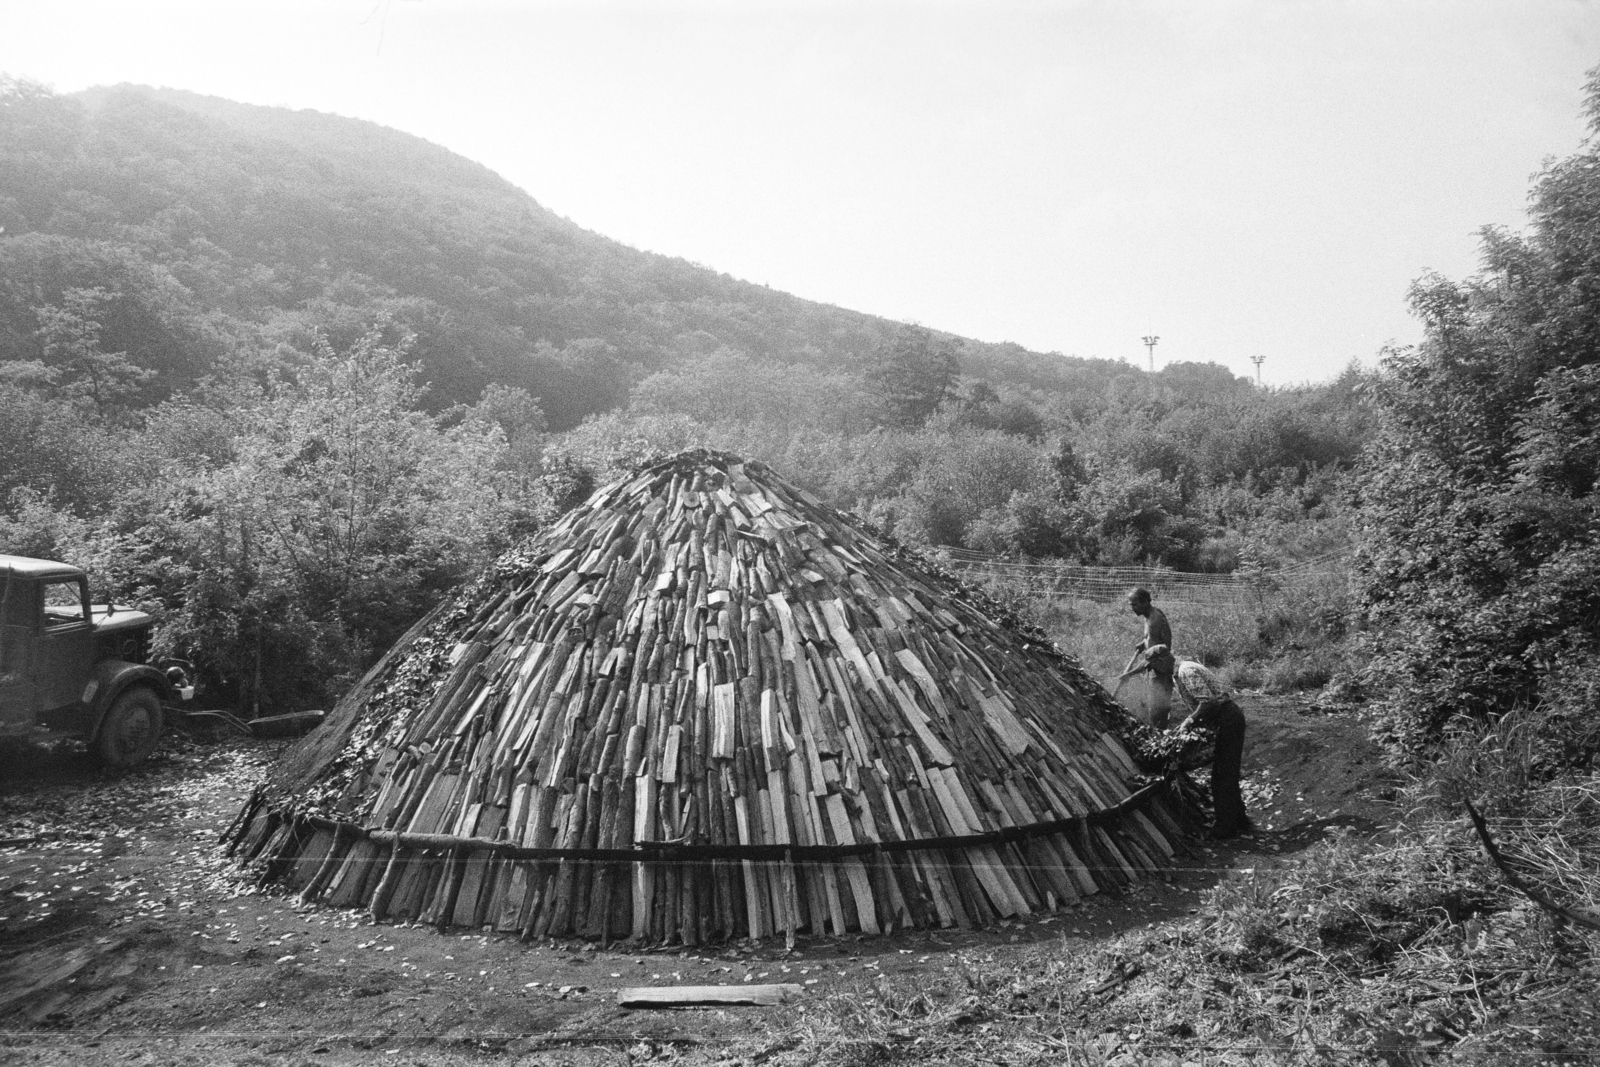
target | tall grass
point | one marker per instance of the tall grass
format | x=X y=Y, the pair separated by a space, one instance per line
x=1280 y=636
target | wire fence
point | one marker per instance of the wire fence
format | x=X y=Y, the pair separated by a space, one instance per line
x=1110 y=584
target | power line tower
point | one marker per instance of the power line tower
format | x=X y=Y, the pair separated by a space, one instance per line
x=1258 y=360
x=1150 y=344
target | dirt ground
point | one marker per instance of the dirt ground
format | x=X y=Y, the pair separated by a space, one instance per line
x=126 y=937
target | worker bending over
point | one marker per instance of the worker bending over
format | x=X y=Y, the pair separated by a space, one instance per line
x=1211 y=708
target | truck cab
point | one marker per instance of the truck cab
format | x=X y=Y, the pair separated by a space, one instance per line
x=74 y=668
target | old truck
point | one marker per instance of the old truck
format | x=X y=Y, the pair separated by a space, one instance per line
x=70 y=667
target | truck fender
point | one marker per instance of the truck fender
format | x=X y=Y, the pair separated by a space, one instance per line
x=110 y=679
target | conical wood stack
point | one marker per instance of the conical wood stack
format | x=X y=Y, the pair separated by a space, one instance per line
x=701 y=706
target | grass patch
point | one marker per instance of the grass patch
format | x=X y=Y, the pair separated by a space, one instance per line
x=1283 y=636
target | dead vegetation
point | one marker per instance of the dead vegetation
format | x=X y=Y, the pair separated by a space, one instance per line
x=1407 y=950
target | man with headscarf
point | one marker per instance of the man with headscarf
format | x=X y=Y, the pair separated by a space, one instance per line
x=1212 y=710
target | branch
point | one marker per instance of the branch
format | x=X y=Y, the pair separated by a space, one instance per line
x=1516 y=880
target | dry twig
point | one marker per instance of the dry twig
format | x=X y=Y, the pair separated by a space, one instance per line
x=1517 y=880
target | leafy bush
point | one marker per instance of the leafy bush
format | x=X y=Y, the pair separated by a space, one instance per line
x=1481 y=547
x=285 y=533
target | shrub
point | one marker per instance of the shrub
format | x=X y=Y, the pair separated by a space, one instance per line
x=1481 y=551
x=1311 y=669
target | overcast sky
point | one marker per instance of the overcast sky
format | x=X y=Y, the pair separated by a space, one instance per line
x=1239 y=177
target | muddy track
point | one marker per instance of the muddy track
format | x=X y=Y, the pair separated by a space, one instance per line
x=125 y=935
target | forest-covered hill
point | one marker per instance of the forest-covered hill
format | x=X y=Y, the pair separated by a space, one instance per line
x=282 y=378
x=217 y=223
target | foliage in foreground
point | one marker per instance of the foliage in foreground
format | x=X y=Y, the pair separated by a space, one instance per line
x=1392 y=952
x=1480 y=500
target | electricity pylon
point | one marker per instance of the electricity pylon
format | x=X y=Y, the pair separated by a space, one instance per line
x=1150 y=343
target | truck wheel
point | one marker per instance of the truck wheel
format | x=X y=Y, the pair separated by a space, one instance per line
x=129 y=732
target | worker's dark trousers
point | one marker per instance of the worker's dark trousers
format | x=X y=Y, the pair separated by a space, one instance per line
x=1225 y=766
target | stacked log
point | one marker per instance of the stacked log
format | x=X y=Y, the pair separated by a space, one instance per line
x=701 y=706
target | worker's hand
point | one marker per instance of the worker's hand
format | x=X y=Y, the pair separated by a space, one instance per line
x=1188 y=730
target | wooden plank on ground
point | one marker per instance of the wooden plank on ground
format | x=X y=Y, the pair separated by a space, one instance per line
x=690 y=996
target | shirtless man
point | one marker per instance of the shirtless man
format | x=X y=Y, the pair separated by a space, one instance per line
x=1156 y=633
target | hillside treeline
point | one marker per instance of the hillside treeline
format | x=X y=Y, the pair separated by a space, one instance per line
x=214 y=226
x=283 y=378
x=1190 y=467
x=301 y=516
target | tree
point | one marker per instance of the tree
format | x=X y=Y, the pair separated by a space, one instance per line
x=961 y=476
x=1482 y=548
x=46 y=445
x=727 y=387
x=520 y=420
x=328 y=516
x=1123 y=516
x=912 y=375
x=70 y=332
